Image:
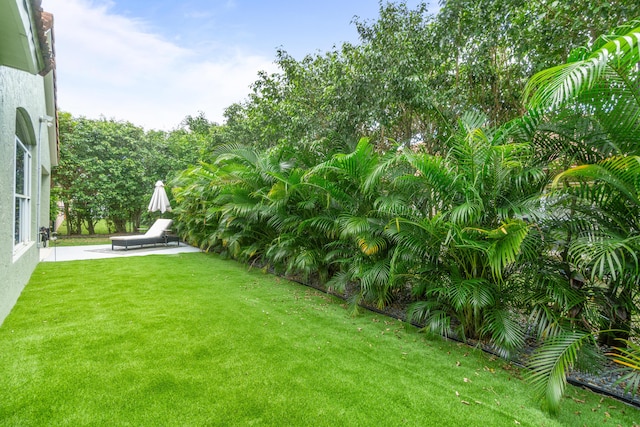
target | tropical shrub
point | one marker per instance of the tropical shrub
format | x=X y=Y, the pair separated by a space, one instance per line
x=596 y=95
x=460 y=244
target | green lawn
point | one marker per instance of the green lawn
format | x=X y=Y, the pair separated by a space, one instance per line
x=192 y=340
x=100 y=228
x=85 y=239
x=100 y=238
x=79 y=241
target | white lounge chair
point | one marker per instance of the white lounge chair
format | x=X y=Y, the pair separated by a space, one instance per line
x=156 y=234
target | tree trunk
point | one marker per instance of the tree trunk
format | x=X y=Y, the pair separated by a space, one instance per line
x=91 y=227
x=67 y=216
x=120 y=224
x=619 y=320
x=77 y=228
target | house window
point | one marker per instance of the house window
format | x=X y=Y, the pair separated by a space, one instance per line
x=22 y=194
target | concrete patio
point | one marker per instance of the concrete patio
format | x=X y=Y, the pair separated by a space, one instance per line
x=70 y=253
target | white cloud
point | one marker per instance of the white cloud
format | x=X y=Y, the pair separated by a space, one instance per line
x=115 y=66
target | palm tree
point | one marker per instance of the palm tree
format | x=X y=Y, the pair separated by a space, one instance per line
x=194 y=189
x=258 y=206
x=596 y=100
x=358 y=249
x=461 y=229
x=225 y=204
x=596 y=94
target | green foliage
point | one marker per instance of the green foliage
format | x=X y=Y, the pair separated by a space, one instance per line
x=339 y=221
x=488 y=49
x=629 y=357
x=54 y=209
x=594 y=202
x=601 y=84
x=412 y=75
x=462 y=250
x=551 y=362
x=100 y=173
x=108 y=169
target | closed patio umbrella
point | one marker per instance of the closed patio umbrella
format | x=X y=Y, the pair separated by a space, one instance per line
x=159 y=200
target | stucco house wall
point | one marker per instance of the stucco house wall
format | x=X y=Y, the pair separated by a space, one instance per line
x=27 y=110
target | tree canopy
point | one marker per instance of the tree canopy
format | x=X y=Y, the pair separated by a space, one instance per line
x=108 y=168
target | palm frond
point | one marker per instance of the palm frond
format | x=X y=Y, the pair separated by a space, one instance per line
x=605 y=254
x=322 y=223
x=375 y=280
x=629 y=358
x=371 y=244
x=506 y=244
x=506 y=332
x=475 y=293
x=388 y=163
x=235 y=151
x=545 y=320
x=619 y=173
x=429 y=314
x=339 y=281
x=394 y=205
x=468 y=212
x=352 y=225
x=555 y=86
x=551 y=363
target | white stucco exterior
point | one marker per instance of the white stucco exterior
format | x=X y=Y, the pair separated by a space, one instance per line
x=27 y=105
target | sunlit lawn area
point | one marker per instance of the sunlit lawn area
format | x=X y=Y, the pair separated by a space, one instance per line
x=99 y=238
x=100 y=228
x=79 y=241
x=61 y=238
x=192 y=340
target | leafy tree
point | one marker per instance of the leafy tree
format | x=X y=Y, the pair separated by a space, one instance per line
x=324 y=103
x=309 y=110
x=108 y=168
x=400 y=71
x=228 y=197
x=101 y=174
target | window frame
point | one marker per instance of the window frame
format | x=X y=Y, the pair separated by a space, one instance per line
x=22 y=201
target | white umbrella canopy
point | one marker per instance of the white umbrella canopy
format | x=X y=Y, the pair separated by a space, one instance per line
x=159 y=200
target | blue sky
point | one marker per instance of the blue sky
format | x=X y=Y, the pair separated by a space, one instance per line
x=154 y=62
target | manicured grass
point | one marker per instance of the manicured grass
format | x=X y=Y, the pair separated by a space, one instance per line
x=192 y=340
x=80 y=241
x=100 y=228
x=100 y=238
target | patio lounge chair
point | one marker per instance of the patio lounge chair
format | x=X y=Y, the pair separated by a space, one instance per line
x=156 y=234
